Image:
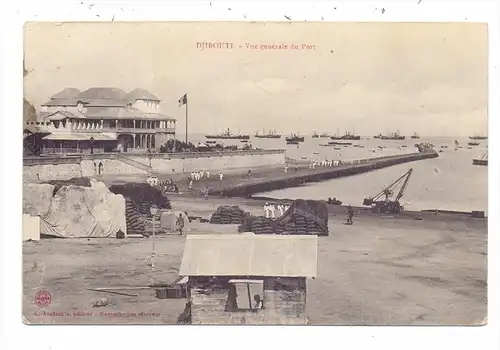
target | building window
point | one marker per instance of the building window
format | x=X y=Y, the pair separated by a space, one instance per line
x=245 y=295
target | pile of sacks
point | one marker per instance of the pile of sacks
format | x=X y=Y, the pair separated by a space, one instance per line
x=302 y=218
x=135 y=225
x=142 y=196
x=228 y=215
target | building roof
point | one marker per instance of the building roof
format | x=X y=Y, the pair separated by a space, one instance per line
x=66 y=93
x=250 y=255
x=102 y=93
x=141 y=94
x=99 y=96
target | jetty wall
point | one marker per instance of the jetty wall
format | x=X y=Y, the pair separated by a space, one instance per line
x=286 y=180
x=66 y=167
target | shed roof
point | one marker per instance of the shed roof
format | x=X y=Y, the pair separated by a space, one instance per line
x=250 y=255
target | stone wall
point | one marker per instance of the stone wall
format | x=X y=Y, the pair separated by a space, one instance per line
x=62 y=168
x=47 y=172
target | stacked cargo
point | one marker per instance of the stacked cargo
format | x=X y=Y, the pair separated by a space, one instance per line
x=228 y=215
x=303 y=218
x=135 y=225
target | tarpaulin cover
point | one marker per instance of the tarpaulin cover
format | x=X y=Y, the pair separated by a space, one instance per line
x=78 y=211
x=78 y=181
x=37 y=198
x=142 y=192
x=168 y=220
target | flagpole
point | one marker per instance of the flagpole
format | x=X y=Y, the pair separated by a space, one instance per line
x=186 y=120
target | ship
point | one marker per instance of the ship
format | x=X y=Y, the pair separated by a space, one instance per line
x=478 y=137
x=294 y=138
x=379 y=136
x=228 y=136
x=346 y=136
x=481 y=161
x=324 y=135
x=393 y=136
x=315 y=135
x=272 y=134
x=415 y=136
x=473 y=143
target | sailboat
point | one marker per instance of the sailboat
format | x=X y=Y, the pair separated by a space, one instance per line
x=481 y=161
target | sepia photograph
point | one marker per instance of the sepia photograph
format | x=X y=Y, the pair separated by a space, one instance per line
x=255 y=173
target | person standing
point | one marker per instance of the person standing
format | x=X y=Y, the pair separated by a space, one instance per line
x=266 y=210
x=208 y=174
x=272 y=209
x=281 y=208
x=190 y=184
x=180 y=223
x=350 y=215
x=221 y=176
x=286 y=168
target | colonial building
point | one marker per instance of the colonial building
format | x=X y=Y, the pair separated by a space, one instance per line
x=104 y=119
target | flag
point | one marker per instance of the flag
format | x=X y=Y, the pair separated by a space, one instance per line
x=183 y=100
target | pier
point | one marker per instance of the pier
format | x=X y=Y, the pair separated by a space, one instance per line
x=282 y=180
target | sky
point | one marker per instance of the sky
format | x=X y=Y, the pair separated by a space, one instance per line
x=370 y=78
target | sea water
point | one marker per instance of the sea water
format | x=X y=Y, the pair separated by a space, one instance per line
x=449 y=182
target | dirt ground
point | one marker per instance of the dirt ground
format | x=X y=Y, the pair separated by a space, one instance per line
x=379 y=271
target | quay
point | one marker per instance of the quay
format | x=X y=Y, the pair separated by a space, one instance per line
x=293 y=179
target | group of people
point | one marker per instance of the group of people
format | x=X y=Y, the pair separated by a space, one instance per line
x=165 y=186
x=169 y=186
x=273 y=210
x=324 y=163
x=198 y=175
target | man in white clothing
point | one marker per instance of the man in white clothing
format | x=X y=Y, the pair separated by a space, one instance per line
x=266 y=210
x=221 y=176
x=272 y=208
x=281 y=208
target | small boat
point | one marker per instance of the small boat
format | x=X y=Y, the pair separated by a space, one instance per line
x=379 y=136
x=361 y=146
x=415 y=136
x=481 y=161
x=470 y=147
x=340 y=143
x=211 y=142
x=315 y=135
x=291 y=142
x=315 y=152
x=473 y=143
x=380 y=147
x=337 y=148
x=244 y=141
x=324 y=135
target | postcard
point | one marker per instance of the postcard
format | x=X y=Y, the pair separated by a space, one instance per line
x=259 y=173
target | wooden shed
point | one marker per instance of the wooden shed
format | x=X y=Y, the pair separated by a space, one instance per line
x=248 y=279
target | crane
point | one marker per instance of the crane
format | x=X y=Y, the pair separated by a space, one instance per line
x=382 y=203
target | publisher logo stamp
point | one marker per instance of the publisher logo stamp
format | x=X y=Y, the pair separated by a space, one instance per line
x=43 y=298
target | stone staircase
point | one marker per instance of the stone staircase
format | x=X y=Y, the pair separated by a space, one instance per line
x=134 y=163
